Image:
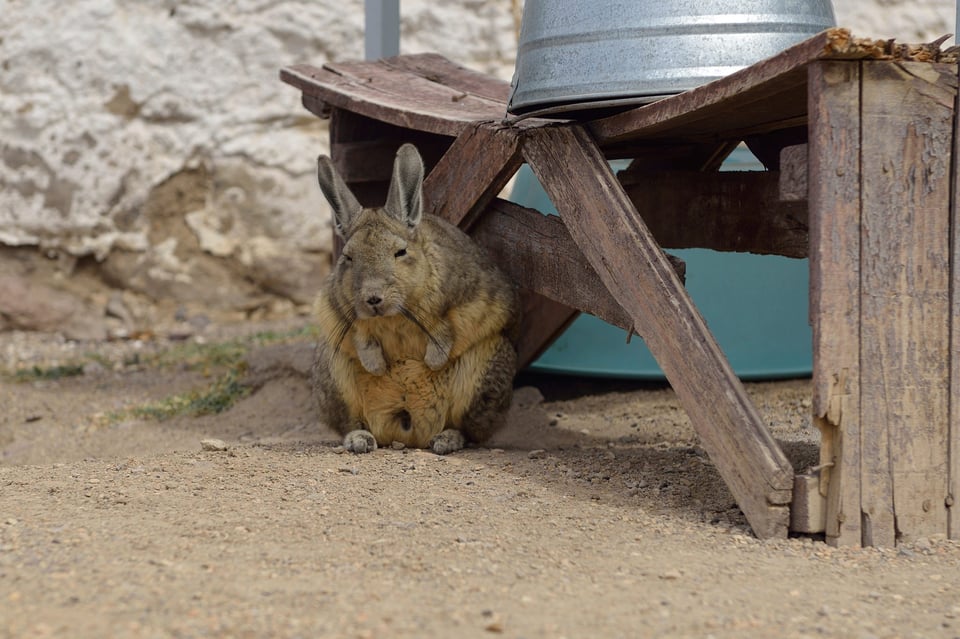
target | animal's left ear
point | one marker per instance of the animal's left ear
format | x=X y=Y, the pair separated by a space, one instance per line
x=345 y=205
x=405 y=197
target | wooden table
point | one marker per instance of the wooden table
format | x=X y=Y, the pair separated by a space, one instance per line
x=857 y=136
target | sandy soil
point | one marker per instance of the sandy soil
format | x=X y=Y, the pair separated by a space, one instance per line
x=595 y=514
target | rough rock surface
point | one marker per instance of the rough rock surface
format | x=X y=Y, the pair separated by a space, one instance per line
x=106 y=101
x=157 y=136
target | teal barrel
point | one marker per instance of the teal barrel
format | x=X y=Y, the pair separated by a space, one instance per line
x=755 y=305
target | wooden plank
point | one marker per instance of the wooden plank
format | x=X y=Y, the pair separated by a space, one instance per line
x=725 y=211
x=474 y=170
x=767 y=148
x=614 y=239
x=953 y=494
x=771 y=90
x=542 y=322
x=767 y=96
x=905 y=264
x=834 y=205
x=537 y=252
x=400 y=98
x=793 y=173
x=808 y=511
x=437 y=68
x=364 y=161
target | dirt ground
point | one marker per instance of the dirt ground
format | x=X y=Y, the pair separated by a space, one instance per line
x=594 y=514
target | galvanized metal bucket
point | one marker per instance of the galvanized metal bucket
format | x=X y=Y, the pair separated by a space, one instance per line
x=574 y=55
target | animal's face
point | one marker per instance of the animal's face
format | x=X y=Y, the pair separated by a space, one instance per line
x=382 y=264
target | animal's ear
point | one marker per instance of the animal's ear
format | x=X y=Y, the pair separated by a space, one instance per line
x=405 y=197
x=344 y=203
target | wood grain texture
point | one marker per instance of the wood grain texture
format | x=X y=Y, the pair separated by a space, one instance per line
x=726 y=211
x=401 y=98
x=772 y=92
x=542 y=323
x=439 y=69
x=953 y=455
x=905 y=265
x=764 y=97
x=614 y=239
x=537 y=252
x=474 y=170
x=834 y=205
x=793 y=173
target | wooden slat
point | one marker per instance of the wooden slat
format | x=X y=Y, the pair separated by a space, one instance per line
x=793 y=173
x=905 y=265
x=399 y=98
x=439 y=69
x=537 y=252
x=612 y=236
x=953 y=495
x=726 y=211
x=766 y=96
x=474 y=170
x=834 y=205
x=770 y=91
x=542 y=322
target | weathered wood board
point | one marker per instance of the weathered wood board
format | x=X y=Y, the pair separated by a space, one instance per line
x=834 y=197
x=904 y=308
x=604 y=224
x=953 y=455
x=729 y=211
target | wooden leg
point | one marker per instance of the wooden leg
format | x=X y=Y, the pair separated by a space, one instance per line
x=953 y=488
x=905 y=290
x=544 y=320
x=834 y=196
x=614 y=239
x=473 y=171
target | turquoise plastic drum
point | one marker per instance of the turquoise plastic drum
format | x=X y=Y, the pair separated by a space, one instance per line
x=755 y=305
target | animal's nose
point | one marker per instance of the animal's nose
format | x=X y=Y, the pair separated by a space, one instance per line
x=374 y=300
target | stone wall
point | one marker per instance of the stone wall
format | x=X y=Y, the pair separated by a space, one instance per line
x=154 y=137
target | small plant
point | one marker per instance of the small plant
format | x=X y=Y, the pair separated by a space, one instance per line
x=37 y=373
x=216 y=398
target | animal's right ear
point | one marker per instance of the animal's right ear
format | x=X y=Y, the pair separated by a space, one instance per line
x=346 y=208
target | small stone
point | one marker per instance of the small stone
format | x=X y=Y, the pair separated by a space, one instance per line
x=213 y=444
x=494 y=626
x=537 y=454
x=670 y=575
x=92 y=369
x=395 y=445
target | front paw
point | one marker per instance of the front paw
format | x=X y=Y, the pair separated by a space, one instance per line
x=360 y=441
x=437 y=356
x=372 y=360
x=447 y=441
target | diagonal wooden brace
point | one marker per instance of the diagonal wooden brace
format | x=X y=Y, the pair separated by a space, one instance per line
x=612 y=235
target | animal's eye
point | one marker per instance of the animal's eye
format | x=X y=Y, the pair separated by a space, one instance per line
x=347 y=258
x=400 y=253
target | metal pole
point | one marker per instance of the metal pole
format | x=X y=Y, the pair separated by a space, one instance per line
x=381 y=28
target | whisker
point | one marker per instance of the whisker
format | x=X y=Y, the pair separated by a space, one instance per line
x=347 y=315
x=410 y=315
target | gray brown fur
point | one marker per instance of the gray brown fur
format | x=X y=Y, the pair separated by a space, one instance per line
x=417 y=326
